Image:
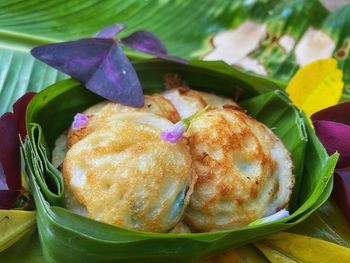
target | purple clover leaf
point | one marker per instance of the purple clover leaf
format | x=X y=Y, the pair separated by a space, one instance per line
x=100 y=64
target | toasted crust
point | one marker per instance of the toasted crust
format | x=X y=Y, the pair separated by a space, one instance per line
x=102 y=112
x=127 y=176
x=188 y=102
x=244 y=171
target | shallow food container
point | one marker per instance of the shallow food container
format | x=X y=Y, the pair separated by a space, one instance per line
x=68 y=237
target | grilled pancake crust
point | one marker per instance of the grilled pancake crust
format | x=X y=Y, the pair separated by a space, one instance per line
x=244 y=171
x=127 y=176
x=188 y=102
x=102 y=112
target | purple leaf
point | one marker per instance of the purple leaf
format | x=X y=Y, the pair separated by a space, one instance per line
x=110 y=31
x=338 y=113
x=8 y=198
x=117 y=80
x=148 y=43
x=341 y=191
x=335 y=137
x=100 y=64
x=10 y=153
x=80 y=59
x=19 y=109
x=332 y=126
x=145 y=42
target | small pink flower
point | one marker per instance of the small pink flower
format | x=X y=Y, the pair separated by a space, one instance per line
x=283 y=213
x=80 y=121
x=174 y=133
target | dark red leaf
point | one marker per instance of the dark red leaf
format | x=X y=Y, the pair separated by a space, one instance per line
x=8 y=198
x=10 y=153
x=110 y=31
x=338 y=113
x=19 y=109
x=341 y=191
x=335 y=137
x=100 y=64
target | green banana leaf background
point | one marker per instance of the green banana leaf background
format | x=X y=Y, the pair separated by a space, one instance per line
x=186 y=27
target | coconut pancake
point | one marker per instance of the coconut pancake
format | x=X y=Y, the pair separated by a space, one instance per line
x=100 y=113
x=188 y=102
x=127 y=176
x=244 y=171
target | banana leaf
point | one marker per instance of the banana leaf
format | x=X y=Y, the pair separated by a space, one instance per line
x=185 y=27
x=68 y=236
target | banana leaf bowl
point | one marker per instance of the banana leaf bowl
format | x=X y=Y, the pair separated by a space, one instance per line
x=68 y=237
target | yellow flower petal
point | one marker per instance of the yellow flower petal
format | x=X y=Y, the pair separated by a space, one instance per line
x=287 y=247
x=316 y=86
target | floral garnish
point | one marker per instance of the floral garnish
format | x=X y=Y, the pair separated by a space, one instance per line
x=332 y=127
x=175 y=132
x=274 y=217
x=101 y=64
x=11 y=125
x=80 y=121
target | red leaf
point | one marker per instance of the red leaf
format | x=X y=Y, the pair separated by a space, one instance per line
x=10 y=153
x=19 y=109
x=8 y=198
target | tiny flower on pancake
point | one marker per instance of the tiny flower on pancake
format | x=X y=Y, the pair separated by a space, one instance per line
x=175 y=133
x=80 y=121
x=274 y=217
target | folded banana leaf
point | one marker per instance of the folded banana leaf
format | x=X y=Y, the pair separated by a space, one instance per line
x=70 y=237
x=186 y=28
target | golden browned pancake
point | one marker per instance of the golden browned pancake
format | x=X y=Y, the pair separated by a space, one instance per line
x=127 y=176
x=181 y=227
x=102 y=112
x=244 y=171
x=188 y=102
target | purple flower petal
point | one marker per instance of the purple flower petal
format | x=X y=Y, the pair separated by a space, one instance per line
x=19 y=109
x=100 y=64
x=335 y=137
x=80 y=121
x=145 y=42
x=110 y=31
x=10 y=153
x=174 y=133
x=338 y=113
